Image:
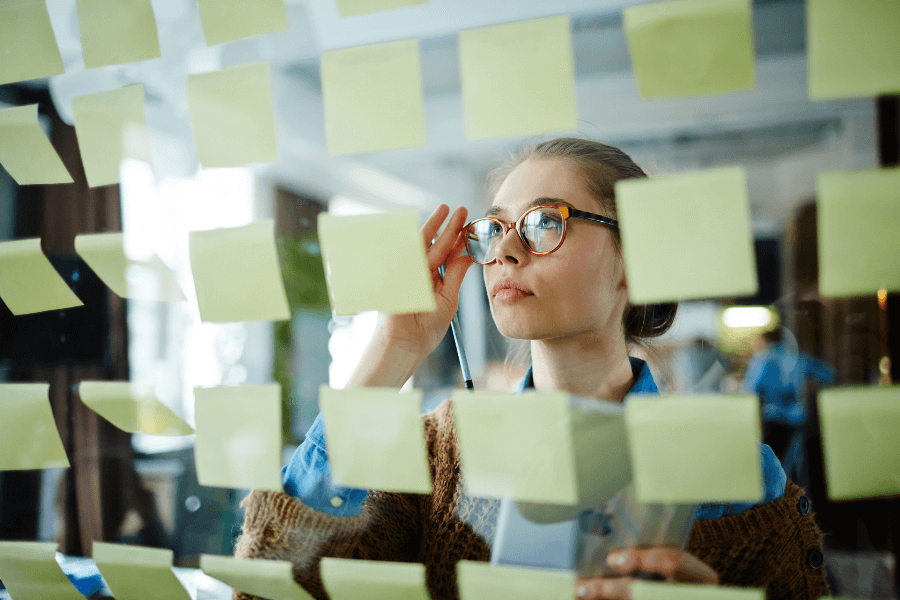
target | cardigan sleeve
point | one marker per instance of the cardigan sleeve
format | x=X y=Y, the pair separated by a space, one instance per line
x=776 y=546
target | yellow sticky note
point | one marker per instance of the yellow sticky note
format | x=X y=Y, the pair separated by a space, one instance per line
x=28 y=282
x=132 y=407
x=687 y=237
x=647 y=590
x=232 y=115
x=518 y=79
x=858 y=219
x=230 y=20
x=687 y=449
x=117 y=31
x=860 y=441
x=372 y=98
x=25 y=152
x=137 y=573
x=691 y=47
x=237 y=275
x=238 y=436
x=350 y=8
x=105 y=255
x=111 y=126
x=516 y=445
x=28 y=430
x=27 y=43
x=376 y=439
x=376 y=262
x=478 y=580
x=852 y=48
x=30 y=572
x=347 y=579
x=272 y=579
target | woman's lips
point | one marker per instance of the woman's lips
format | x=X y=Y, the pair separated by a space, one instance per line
x=511 y=295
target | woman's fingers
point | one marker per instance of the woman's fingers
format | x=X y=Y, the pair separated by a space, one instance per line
x=457 y=265
x=440 y=250
x=604 y=588
x=671 y=563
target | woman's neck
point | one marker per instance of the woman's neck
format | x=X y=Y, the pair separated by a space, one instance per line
x=586 y=365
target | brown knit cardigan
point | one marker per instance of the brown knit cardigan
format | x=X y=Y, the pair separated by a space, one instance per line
x=771 y=546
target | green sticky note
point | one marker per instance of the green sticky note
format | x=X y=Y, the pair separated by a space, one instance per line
x=376 y=439
x=372 y=98
x=105 y=255
x=687 y=237
x=27 y=43
x=230 y=20
x=111 y=126
x=687 y=449
x=117 y=31
x=518 y=79
x=860 y=442
x=28 y=282
x=25 y=152
x=237 y=275
x=232 y=116
x=136 y=573
x=647 y=590
x=272 y=579
x=516 y=445
x=852 y=48
x=691 y=47
x=376 y=262
x=858 y=219
x=132 y=407
x=28 y=430
x=238 y=440
x=30 y=572
x=478 y=580
x=347 y=579
x=350 y=8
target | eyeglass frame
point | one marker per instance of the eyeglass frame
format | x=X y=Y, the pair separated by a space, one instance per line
x=566 y=212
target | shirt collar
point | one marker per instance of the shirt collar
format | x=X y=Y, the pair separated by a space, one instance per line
x=643 y=379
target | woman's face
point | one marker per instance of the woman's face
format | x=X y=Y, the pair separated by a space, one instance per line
x=579 y=289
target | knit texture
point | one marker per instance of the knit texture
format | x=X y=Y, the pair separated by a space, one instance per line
x=765 y=547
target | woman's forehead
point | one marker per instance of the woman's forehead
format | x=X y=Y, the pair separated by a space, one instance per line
x=543 y=178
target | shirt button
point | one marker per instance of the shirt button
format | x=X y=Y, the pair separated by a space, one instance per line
x=803 y=505
x=337 y=502
x=814 y=558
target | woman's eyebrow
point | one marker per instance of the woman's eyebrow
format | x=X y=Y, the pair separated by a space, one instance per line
x=496 y=210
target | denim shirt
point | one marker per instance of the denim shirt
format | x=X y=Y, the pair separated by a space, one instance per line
x=308 y=477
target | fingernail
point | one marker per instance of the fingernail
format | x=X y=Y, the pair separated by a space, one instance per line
x=616 y=559
x=581 y=592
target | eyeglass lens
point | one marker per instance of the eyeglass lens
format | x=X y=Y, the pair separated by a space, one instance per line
x=542 y=229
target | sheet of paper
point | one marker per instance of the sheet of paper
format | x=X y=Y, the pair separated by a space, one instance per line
x=28 y=282
x=111 y=127
x=852 y=48
x=367 y=269
x=478 y=580
x=117 y=31
x=648 y=590
x=858 y=227
x=105 y=255
x=137 y=573
x=518 y=79
x=687 y=449
x=230 y=20
x=237 y=276
x=239 y=436
x=671 y=253
x=25 y=152
x=376 y=439
x=232 y=115
x=271 y=579
x=351 y=8
x=132 y=407
x=347 y=579
x=28 y=430
x=30 y=572
x=372 y=98
x=860 y=441
x=691 y=47
x=516 y=445
x=27 y=42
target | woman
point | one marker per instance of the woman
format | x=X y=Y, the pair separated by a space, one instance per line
x=568 y=295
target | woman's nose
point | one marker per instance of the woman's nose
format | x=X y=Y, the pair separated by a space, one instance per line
x=509 y=248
